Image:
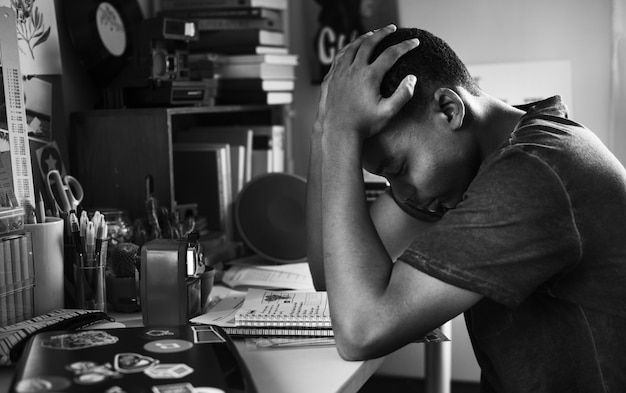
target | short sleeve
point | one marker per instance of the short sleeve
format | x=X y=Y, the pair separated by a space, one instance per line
x=513 y=232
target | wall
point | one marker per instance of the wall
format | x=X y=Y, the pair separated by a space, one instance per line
x=485 y=31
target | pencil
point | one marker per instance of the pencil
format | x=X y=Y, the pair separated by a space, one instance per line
x=3 y=283
x=16 y=259
x=41 y=210
x=9 y=281
x=26 y=277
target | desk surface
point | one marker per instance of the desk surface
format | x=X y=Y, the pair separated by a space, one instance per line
x=284 y=370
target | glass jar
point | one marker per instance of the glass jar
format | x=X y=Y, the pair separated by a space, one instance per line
x=119 y=226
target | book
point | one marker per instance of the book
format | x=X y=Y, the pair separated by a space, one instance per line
x=284 y=309
x=233 y=135
x=231 y=18
x=226 y=303
x=206 y=4
x=255 y=70
x=133 y=359
x=267 y=58
x=202 y=175
x=214 y=24
x=223 y=39
x=268 y=149
x=262 y=159
x=278 y=331
x=252 y=49
x=224 y=13
x=254 y=84
x=237 y=168
x=254 y=98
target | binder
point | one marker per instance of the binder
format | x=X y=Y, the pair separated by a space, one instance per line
x=134 y=360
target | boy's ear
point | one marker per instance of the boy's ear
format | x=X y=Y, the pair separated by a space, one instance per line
x=451 y=106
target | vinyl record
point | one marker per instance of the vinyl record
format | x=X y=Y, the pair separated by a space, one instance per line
x=101 y=34
x=270 y=216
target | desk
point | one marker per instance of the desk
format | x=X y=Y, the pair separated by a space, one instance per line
x=310 y=369
x=302 y=370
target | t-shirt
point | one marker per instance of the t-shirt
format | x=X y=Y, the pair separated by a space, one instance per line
x=541 y=233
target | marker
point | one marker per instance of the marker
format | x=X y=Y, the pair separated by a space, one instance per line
x=101 y=234
x=90 y=240
x=78 y=244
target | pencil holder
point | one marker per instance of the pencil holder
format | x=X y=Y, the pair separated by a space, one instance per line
x=49 y=264
x=89 y=281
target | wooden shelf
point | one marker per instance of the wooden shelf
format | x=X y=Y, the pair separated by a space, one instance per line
x=114 y=150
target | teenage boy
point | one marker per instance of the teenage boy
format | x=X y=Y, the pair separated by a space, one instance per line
x=515 y=216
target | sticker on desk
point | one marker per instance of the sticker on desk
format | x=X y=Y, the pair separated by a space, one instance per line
x=206 y=335
x=174 y=388
x=42 y=384
x=151 y=334
x=168 y=346
x=208 y=390
x=90 y=373
x=169 y=371
x=79 y=340
x=128 y=363
x=115 y=389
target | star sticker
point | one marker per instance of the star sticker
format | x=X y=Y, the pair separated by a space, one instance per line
x=51 y=162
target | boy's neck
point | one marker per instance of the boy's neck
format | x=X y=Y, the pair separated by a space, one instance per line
x=492 y=121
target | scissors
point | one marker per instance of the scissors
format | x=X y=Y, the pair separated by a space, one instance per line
x=65 y=190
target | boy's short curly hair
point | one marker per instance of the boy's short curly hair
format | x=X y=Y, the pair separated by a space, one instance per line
x=433 y=62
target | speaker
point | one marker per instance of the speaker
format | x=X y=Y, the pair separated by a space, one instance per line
x=270 y=216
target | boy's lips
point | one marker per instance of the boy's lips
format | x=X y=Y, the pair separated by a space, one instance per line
x=432 y=211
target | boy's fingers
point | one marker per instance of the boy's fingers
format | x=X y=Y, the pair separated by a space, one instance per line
x=370 y=40
x=363 y=45
x=401 y=96
x=388 y=58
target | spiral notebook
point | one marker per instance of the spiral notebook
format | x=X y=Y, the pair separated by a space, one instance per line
x=182 y=359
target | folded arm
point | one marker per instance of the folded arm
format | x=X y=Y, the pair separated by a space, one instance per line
x=377 y=306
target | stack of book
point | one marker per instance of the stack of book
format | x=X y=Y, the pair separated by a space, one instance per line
x=274 y=313
x=283 y=313
x=256 y=149
x=242 y=44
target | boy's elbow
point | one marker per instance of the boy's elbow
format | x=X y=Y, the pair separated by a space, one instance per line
x=357 y=342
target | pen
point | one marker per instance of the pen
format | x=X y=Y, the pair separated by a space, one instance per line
x=101 y=234
x=90 y=240
x=84 y=219
x=76 y=234
x=97 y=219
x=90 y=274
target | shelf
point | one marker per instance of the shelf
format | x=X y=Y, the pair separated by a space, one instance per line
x=114 y=150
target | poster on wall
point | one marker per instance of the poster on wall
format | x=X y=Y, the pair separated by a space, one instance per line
x=38 y=40
x=332 y=24
x=533 y=81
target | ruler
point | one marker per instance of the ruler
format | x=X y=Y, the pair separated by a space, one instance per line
x=16 y=113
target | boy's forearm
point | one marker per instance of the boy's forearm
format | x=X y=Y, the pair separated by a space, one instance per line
x=314 y=213
x=356 y=263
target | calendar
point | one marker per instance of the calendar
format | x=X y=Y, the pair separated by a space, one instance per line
x=14 y=119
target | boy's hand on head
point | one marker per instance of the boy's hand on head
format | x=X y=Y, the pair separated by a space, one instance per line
x=350 y=93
